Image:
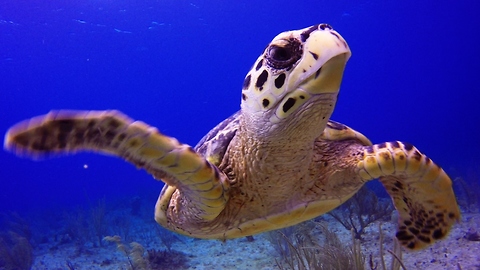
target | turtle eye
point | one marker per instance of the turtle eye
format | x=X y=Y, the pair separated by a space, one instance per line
x=284 y=55
x=279 y=54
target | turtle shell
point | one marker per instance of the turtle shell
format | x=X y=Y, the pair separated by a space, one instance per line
x=215 y=143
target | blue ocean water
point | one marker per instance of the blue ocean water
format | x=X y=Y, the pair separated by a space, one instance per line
x=179 y=66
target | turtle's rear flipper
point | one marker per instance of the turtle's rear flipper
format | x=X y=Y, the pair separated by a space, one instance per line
x=113 y=133
x=421 y=191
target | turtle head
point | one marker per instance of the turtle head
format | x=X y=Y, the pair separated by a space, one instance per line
x=295 y=81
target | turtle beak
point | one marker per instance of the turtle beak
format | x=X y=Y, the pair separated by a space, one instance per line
x=326 y=79
x=323 y=62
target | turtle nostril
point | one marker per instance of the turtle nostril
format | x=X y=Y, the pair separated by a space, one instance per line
x=324 y=26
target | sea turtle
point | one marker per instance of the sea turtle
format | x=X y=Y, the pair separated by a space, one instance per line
x=276 y=162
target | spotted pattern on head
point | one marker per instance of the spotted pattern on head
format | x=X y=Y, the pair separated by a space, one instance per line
x=289 y=72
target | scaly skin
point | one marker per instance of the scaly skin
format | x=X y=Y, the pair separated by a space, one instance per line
x=277 y=162
x=275 y=138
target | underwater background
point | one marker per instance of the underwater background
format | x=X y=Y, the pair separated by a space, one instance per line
x=414 y=76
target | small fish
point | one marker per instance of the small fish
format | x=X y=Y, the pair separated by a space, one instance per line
x=121 y=31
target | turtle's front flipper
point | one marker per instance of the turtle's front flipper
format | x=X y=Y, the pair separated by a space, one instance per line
x=420 y=189
x=113 y=133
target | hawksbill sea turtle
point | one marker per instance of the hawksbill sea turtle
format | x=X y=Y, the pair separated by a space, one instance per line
x=275 y=163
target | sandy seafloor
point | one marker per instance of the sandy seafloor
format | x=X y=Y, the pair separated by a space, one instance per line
x=454 y=252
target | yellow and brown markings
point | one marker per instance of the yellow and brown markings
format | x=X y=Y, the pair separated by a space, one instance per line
x=420 y=189
x=113 y=133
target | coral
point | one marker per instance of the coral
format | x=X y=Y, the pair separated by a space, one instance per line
x=98 y=219
x=396 y=253
x=154 y=259
x=472 y=235
x=133 y=255
x=13 y=222
x=136 y=253
x=167 y=237
x=164 y=259
x=300 y=250
x=15 y=251
x=121 y=225
x=76 y=228
x=361 y=210
x=467 y=198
